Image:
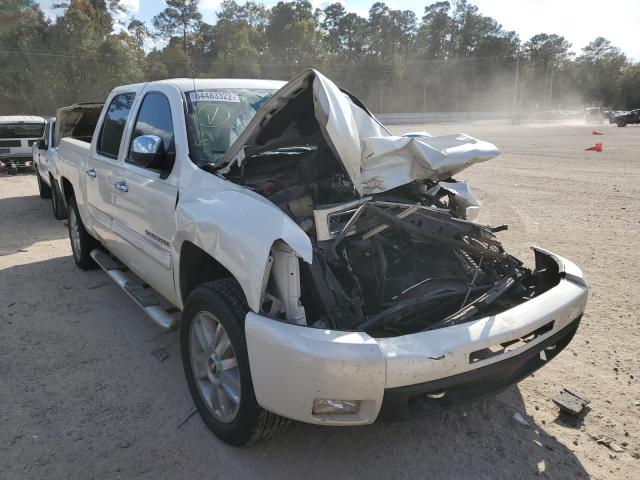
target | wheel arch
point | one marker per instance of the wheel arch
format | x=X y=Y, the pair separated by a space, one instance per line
x=66 y=188
x=52 y=180
x=196 y=267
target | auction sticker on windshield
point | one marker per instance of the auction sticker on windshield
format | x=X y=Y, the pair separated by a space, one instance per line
x=213 y=96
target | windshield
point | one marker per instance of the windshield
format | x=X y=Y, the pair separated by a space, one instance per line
x=215 y=119
x=21 y=130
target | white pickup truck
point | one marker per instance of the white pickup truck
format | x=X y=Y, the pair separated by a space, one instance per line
x=320 y=268
x=75 y=121
x=17 y=135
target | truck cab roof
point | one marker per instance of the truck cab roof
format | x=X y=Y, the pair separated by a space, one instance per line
x=189 y=84
x=21 y=119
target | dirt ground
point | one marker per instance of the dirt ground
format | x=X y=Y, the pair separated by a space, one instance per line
x=89 y=388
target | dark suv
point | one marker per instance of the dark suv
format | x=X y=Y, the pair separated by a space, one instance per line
x=631 y=117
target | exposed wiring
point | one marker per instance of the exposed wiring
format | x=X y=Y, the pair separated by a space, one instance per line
x=473 y=281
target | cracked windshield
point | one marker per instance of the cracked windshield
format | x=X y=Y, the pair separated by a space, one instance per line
x=215 y=119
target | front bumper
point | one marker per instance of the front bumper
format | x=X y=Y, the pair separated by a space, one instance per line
x=17 y=159
x=436 y=395
x=412 y=374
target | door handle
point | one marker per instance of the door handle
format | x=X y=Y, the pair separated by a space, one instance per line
x=121 y=186
x=91 y=172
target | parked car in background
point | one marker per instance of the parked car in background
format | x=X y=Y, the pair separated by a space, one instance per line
x=627 y=118
x=75 y=121
x=320 y=268
x=594 y=113
x=17 y=135
x=612 y=114
x=42 y=151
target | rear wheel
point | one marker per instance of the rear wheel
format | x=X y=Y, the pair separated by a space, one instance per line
x=621 y=123
x=216 y=364
x=81 y=242
x=43 y=189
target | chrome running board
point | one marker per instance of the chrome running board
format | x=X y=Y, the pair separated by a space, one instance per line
x=162 y=313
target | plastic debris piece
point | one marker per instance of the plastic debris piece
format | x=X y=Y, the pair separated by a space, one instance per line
x=160 y=354
x=570 y=402
x=610 y=444
x=520 y=419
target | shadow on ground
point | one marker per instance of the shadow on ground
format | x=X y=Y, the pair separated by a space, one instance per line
x=92 y=389
x=26 y=220
x=95 y=390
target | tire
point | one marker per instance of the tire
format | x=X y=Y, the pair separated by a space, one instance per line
x=81 y=242
x=208 y=307
x=11 y=170
x=43 y=189
x=622 y=123
x=59 y=209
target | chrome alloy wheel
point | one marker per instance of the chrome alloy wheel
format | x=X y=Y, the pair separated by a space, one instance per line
x=74 y=233
x=215 y=366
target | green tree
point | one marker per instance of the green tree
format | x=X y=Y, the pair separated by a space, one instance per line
x=293 y=38
x=390 y=60
x=392 y=31
x=179 y=17
x=629 y=91
x=346 y=34
x=333 y=24
x=139 y=32
x=543 y=51
x=24 y=35
x=434 y=35
x=600 y=72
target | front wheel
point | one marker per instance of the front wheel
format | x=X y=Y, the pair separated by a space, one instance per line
x=621 y=123
x=81 y=242
x=216 y=364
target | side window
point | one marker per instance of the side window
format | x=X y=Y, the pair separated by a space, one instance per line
x=113 y=125
x=154 y=118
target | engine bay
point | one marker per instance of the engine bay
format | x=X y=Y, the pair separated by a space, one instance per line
x=392 y=263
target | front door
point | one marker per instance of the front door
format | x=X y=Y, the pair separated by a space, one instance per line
x=144 y=213
x=102 y=167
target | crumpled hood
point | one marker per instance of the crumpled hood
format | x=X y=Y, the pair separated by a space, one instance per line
x=375 y=160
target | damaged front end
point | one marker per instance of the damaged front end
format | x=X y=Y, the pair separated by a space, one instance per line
x=394 y=250
x=393 y=268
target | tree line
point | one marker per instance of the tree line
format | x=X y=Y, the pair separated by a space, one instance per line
x=452 y=58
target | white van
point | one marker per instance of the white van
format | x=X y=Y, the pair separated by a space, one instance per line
x=17 y=135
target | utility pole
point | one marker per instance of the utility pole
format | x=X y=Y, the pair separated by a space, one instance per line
x=424 y=95
x=382 y=91
x=515 y=88
x=553 y=69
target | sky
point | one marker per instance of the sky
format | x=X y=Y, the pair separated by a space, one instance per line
x=579 y=21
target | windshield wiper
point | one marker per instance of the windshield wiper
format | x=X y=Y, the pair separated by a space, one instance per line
x=295 y=150
x=208 y=165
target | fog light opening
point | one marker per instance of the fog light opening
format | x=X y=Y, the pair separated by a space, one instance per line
x=324 y=406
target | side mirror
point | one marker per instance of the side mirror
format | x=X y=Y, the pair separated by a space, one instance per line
x=148 y=151
x=41 y=144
